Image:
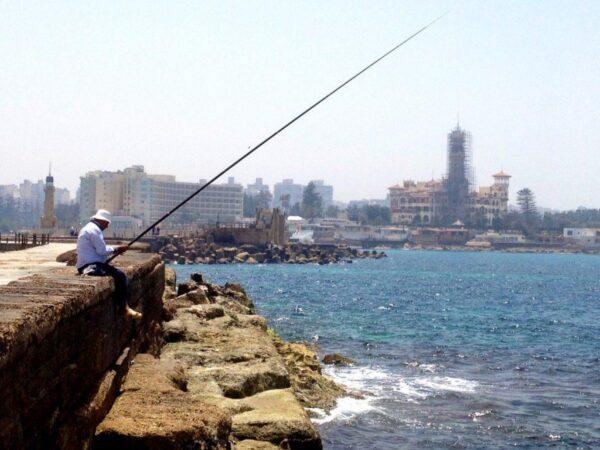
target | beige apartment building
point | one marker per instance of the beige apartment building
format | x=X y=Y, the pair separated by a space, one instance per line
x=134 y=193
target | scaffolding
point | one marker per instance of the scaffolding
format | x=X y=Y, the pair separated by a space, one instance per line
x=459 y=181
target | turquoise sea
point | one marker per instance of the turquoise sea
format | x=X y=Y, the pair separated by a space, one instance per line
x=452 y=349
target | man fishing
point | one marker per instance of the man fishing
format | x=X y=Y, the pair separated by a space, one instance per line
x=92 y=254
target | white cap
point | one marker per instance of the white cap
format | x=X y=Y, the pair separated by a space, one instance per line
x=103 y=215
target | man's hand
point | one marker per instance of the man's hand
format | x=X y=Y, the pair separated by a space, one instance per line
x=121 y=249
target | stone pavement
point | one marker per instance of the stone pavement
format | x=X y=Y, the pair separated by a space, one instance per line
x=20 y=263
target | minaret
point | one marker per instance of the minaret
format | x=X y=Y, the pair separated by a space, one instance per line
x=49 y=218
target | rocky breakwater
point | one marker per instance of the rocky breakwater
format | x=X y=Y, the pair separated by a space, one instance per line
x=223 y=380
x=197 y=251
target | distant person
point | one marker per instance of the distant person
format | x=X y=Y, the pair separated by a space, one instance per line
x=72 y=231
x=92 y=254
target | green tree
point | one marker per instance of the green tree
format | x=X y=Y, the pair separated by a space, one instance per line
x=249 y=205
x=370 y=214
x=377 y=215
x=295 y=210
x=332 y=211
x=262 y=200
x=526 y=202
x=353 y=213
x=312 y=204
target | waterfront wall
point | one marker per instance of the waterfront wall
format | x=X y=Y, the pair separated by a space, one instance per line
x=64 y=351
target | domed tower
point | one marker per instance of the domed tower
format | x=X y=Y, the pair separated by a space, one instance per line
x=502 y=180
x=500 y=190
x=49 y=217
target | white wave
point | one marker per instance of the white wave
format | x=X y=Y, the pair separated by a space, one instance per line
x=431 y=368
x=428 y=367
x=346 y=408
x=476 y=416
x=410 y=392
x=363 y=379
x=418 y=388
x=373 y=384
x=369 y=383
x=447 y=384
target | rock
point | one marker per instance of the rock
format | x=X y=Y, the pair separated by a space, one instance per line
x=153 y=412
x=260 y=257
x=171 y=305
x=198 y=296
x=242 y=256
x=170 y=278
x=197 y=277
x=174 y=331
x=276 y=417
x=186 y=287
x=251 y=260
x=69 y=257
x=230 y=252
x=337 y=360
x=206 y=312
x=312 y=388
x=234 y=288
x=251 y=444
x=247 y=378
x=249 y=248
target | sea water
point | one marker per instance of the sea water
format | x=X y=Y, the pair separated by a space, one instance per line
x=452 y=349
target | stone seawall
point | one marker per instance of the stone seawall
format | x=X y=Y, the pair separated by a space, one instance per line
x=64 y=351
x=199 y=371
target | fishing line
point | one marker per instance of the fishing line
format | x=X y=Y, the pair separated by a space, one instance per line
x=252 y=150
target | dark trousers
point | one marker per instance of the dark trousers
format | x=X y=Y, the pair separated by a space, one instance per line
x=122 y=293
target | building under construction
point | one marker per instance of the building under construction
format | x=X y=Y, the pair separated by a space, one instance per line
x=453 y=198
x=459 y=181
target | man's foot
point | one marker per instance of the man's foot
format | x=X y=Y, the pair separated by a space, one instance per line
x=132 y=313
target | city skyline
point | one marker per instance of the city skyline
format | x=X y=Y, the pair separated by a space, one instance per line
x=158 y=89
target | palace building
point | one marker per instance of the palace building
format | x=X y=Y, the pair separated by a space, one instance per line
x=453 y=198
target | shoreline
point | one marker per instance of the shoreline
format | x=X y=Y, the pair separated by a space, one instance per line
x=222 y=377
x=465 y=248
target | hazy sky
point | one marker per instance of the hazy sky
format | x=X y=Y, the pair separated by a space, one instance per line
x=184 y=87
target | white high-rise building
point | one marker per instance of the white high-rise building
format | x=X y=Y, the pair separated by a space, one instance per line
x=134 y=193
x=258 y=187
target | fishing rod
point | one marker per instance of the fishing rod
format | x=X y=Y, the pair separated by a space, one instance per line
x=252 y=150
